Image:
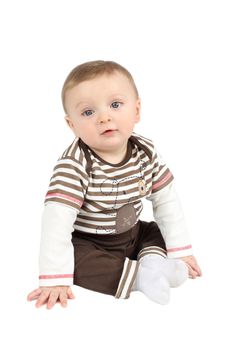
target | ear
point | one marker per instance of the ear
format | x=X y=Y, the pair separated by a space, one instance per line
x=138 y=110
x=69 y=122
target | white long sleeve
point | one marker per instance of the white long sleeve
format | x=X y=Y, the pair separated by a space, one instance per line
x=56 y=258
x=169 y=216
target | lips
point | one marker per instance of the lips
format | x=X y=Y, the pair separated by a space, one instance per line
x=108 y=131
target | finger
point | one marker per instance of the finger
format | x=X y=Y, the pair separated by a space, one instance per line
x=70 y=293
x=34 y=294
x=63 y=298
x=42 y=298
x=52 y=299
x=34 y=298
x=192 y=273
x=196 y=268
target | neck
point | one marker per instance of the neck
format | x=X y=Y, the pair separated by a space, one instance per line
x=113 y=157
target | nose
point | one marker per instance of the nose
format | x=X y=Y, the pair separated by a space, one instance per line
x=104 y=117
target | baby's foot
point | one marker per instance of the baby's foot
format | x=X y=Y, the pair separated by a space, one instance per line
x=155 y=286
x=175 y=270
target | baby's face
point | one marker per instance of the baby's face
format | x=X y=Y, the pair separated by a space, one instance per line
x=103 y=111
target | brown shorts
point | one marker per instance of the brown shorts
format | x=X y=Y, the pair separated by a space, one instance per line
x=108 y=263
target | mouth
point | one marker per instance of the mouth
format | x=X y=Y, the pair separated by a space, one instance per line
x=108 y=131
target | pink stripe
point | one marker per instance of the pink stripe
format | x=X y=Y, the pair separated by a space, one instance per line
x=60 y=195
x=45 y=277
x=161 y=182
x=180 y=248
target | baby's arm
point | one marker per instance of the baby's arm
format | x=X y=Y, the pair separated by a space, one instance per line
x=170 y=219
x=63 y=201
x=56 y=260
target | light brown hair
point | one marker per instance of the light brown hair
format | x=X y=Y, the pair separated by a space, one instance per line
x=90 y=70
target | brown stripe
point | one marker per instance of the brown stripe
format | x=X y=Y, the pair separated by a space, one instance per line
x=112 y=203
x=148 y=173
x=109 y=185
x=130 y=200
x=81 y=157
x=162 y=166
x=121 y=287
x=67 y=150
x=144 y=139
x=171 y=178
x=71 y=194
x=118 y=174
x=87 y=153
x=116 y=180
x=63 y=201
x=89 y=204
x=138 y=212
x=125 y=160
x=142 y=146
x=88 y=224
x=132 y=281
x=114 y=193
x=140 y=256
x=103 y=224
x=66 y=184
x=132 y=162
x=87 y=209
x=151 y=248
x=92 y=204
x=107 y=219
x=78 y=170
x=159 y=172
x=73 y=160
x=155 y=161
x=114 y=172
x=74 y=149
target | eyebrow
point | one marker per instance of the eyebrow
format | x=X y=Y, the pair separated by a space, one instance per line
x=80 y=103
x=86 y=101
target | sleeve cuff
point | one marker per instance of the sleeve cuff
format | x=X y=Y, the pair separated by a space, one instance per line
x=179 y=252
x=55 y=280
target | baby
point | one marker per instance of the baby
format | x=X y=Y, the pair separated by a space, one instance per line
x=92 y=235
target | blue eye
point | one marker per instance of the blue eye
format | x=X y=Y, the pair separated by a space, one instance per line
x=87 y=113
x=115 y=104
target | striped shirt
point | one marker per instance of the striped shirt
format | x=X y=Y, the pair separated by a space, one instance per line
x=107 y=197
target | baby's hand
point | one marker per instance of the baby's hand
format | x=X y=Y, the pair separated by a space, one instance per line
x=51 y=295
x=194 y=269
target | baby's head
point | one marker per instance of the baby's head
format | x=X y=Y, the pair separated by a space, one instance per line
x=91 y=70
x=102 y=105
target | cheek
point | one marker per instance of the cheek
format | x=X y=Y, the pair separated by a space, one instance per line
x=76 y=127
x=80 y=124
x=128 y=123
x=85 y=129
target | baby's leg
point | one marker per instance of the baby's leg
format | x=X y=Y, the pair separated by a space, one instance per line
x=175 y=270
x=157 y=274
x=101 y=264
x=154 y=286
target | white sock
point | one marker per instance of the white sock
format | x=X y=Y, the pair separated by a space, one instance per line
x=153 y=284
x=175 y=270
x=157 y=274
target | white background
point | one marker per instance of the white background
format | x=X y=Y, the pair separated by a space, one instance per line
x=180 y=54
